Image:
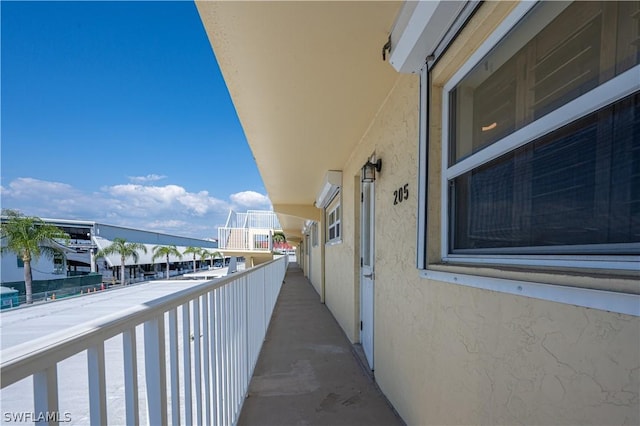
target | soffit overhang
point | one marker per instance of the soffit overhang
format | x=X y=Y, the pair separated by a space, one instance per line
x=306 y=79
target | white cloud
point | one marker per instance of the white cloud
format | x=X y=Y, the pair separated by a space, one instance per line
x=168 y=209
x=168 y=197
x=251 y=199
x=46 y=199
x=28 y=187
x=148 y=178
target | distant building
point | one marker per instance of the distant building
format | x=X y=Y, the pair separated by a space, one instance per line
x=250 y=235
x=86 y=238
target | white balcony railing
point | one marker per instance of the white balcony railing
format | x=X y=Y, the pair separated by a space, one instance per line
x=188 y=380
x=245 y=239
x=233 y=239
x=258 y=219
x=262 y=220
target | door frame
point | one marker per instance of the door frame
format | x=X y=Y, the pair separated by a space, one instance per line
x=367 y=270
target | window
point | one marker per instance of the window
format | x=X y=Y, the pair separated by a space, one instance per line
x=542 y=140
x=261 y=241
x=333 y=220
x=19 y=262
x=314 y=234
x=58 y=263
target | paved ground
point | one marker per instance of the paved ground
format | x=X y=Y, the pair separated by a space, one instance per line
x=307 y=373
x=31 y=322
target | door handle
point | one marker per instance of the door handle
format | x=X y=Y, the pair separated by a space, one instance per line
x=368 y=275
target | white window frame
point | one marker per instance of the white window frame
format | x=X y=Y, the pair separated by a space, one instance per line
x=314 y=234
x=605 y=94
x=58 y=268
x=334 y=207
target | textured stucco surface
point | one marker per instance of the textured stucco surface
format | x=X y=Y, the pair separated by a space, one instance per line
x=312 y=265
x=339 y=284
x=476 y=356
x=316 y=262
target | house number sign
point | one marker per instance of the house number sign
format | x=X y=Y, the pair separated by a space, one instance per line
x=401 y=194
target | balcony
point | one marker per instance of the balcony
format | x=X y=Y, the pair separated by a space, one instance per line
x=249 y=235
x=185 y=352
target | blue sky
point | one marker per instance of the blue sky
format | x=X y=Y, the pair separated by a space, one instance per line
x=117 y=112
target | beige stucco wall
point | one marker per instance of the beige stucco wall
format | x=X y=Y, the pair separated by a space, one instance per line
x=479 y=357
x=312 y=260
x=339 y=288
x=340 y=295
x=315 y=275
x=450 y=354
x=303 y=259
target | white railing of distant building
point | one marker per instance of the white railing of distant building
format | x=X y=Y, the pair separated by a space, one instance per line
x=245 y=239
x=233 y=238
x=231 y=314
x=262 y=220
x=232 y=220
x=257 y=219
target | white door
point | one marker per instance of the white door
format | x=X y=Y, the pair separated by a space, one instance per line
x=367 y=274
x=307 y=247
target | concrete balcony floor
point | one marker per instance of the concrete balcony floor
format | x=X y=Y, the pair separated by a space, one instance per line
x=308 y=372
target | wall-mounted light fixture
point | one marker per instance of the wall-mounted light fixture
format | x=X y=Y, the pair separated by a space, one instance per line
x=370 y=168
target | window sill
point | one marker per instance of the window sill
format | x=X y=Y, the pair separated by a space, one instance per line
x=333 y=242
x=615 y=293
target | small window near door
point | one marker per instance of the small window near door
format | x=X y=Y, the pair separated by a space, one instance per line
x=314 y=234
x=333 y=220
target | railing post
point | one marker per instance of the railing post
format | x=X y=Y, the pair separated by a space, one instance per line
x=130 y=376
x=186 y=355
x=155 y=370
x=236 y=349
x=218 y=358
x=267 y=299
x=174 y=367
x=213 y=346
x=97 y=385
x=197 y=358
x=205 y=359
x=226 y=352
x=247 y=357
x=45 y=394
x=232 y=351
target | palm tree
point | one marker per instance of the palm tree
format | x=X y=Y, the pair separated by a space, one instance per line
x=204 y=255
x=195 y=251
x=213 y=255
x=27 y=237
x=279 y=237
x=124 y=249
x=166 y=251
